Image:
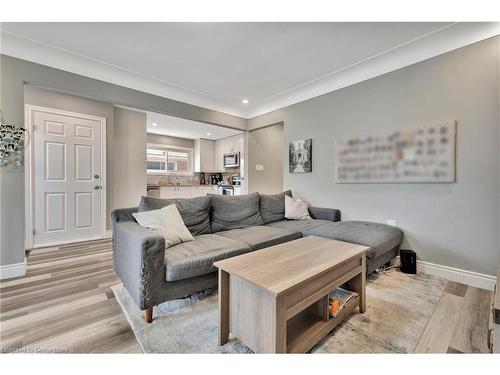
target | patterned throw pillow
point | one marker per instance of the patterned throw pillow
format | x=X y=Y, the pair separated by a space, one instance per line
x=168 y=222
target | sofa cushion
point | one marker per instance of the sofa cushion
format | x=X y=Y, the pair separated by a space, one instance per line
x=308 y=227
x=235 y=211
x=259 y=237
x=381 y=238
x=272 y=207
x=195 y=212
x=196 y=258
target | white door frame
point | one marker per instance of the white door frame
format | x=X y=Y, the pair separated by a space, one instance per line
x=29 y=171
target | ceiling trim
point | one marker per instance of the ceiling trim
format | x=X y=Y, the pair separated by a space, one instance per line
x=46 y=54
x=444 y=40
x=441 y=41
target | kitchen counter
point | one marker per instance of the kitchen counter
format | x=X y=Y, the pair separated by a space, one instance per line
x=186 y=185
x=190 y=191
x=180 y=191
x=176 y=185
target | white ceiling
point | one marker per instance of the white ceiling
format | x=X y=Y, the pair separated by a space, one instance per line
x=179 y=127
x=216 y=65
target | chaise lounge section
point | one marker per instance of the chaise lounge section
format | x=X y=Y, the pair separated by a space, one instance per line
x=223 y=227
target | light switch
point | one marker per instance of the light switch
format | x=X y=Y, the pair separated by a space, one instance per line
x=259 y=167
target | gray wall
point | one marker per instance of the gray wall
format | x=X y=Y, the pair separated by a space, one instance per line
x=265 y=147
x=129 y=168
x=451 y=224
x=15 y=74
x=126 y=179
x=12 y=215
x=46 y=98
x=170 y=141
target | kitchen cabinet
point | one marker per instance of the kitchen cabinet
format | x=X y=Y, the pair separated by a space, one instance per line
x=190 y=191
x=237 y=143
x=153 y=191
x=185 y=191
x=202 y=190
x=169 y=192
x=219 y=156
x=204 y=155
x=226 y=146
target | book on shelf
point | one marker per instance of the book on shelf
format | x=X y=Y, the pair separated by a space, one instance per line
x=339 y=299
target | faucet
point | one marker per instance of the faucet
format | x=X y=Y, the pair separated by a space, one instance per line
x=170 y=175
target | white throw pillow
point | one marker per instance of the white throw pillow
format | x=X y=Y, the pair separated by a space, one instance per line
x=168 y=222
x=296 y=209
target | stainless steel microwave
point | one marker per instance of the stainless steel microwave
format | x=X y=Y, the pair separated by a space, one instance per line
x=232 y=160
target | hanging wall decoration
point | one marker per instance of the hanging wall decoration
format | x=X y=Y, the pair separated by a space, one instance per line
x=422 y=154
x=300 y=156
x=12 y=142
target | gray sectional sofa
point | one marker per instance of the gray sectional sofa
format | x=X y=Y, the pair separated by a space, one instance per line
x=224 y=226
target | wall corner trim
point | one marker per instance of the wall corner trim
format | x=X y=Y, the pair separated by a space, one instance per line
x=9 y=271
x=475 y=279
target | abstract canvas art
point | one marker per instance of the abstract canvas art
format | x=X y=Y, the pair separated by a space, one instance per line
x=300 y=156
x=421 y=154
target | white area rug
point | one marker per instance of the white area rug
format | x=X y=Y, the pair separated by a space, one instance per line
x=398 y=308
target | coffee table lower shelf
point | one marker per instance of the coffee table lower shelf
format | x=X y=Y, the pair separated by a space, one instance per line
x=308 y=327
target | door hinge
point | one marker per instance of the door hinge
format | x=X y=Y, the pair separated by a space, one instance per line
x=34 y=232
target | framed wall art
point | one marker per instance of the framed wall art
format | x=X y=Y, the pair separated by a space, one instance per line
x=421 y=154
x=300 y=156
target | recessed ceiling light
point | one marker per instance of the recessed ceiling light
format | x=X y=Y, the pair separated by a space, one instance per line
x=245 y=101
x=209 y=133
x=154 y=124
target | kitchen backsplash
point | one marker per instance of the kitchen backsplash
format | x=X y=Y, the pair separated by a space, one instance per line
x=185 y=180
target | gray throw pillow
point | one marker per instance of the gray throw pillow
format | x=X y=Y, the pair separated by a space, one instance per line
x=236 y=211
x=272 y=207
x=195 y=212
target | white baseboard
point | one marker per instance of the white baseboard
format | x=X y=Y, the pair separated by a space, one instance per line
x=475 y=279
x=108 y=234
x=13 y=270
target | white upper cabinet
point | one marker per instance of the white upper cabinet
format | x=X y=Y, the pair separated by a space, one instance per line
x=209 y=155
x=238 y=145
x=204 y=156
x=219 y=155
x=227 y=146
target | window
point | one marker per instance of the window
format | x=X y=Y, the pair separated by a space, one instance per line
x=169 y=160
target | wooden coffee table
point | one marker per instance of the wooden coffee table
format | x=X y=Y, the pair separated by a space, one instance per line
x=275 y=300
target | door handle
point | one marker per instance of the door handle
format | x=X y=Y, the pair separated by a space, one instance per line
x=96 y=187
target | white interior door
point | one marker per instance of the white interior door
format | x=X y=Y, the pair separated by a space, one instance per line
x=68 y=183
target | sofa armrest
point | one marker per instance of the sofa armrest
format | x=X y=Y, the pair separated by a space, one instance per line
x=123 y=214
x=320 y=213
x=139 y=260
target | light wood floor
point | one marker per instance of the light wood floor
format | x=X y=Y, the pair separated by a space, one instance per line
x=65 y=304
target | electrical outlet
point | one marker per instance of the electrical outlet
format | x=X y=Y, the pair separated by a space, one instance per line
x=259 y=167
x=391 y=222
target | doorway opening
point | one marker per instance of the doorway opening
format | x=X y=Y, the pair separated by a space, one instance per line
x=187 y=158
